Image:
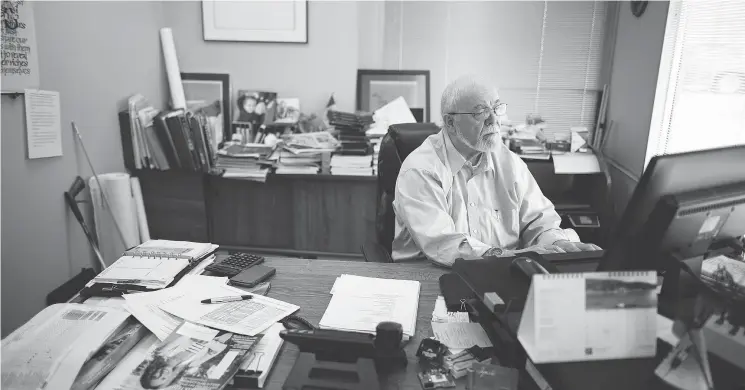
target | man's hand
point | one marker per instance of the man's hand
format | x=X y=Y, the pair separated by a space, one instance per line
x=568 y=246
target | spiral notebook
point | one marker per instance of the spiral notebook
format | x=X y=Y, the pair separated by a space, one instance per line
x=590 y=316
x=155 y=263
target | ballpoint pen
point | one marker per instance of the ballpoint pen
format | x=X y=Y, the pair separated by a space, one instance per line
x=227 y=299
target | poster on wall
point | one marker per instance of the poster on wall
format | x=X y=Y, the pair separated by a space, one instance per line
x=20 y=64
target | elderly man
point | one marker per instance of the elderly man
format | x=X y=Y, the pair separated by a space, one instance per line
x=463 y=194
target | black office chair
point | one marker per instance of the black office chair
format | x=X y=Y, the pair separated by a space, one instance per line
x=400 y=141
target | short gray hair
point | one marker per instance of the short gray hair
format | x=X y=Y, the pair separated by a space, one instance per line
x=457 y=89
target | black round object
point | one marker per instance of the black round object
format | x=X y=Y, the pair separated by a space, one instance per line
x=388 y=336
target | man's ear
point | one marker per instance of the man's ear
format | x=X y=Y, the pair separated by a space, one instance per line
x=448 y=120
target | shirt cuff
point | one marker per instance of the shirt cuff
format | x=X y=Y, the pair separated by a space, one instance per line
x=549 y=237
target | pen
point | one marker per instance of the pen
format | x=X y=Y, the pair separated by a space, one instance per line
x=227 y=299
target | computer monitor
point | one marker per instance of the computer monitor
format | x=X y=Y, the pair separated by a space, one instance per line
x=666 y=175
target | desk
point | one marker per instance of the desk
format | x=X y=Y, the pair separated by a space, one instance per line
x=307 y=283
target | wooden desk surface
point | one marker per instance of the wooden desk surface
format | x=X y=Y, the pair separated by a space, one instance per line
x=307 y=283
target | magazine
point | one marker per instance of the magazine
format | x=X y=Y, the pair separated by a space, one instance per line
x=109 y=355
x=192 y=357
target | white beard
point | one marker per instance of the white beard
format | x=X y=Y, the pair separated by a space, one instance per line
x=484 y=144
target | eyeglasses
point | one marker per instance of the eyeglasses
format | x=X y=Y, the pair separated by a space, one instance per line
x=498 y=110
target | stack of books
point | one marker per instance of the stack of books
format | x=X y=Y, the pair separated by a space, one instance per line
x=350 y=130
x=245 y=161
x=295 y=161
x=351 y=165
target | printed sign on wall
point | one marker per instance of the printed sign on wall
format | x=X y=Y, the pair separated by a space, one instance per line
x=20 y=66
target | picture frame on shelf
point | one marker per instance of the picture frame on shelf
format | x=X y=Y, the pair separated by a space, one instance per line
x=377 y=87
x=209 y=94
x=255 y=21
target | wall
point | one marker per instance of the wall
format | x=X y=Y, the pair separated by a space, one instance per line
x=95 y=54
x=326 y=64
x=633 y=81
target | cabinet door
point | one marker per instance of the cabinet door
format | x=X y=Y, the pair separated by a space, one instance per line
x=247 y=213
x=334 y=215
x=175 y=205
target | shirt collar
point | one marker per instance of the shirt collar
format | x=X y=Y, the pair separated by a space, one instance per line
x=457 y=161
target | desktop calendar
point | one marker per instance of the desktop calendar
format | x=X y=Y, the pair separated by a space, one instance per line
x=590 y=316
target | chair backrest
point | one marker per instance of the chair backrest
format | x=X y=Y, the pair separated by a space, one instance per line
x=396 y=145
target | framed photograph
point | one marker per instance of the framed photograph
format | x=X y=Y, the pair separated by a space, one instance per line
x=255 y=21
x=375 y=88
x=209 y=94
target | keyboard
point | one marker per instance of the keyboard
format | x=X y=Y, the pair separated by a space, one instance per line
x=234 y=264
x=586 y=256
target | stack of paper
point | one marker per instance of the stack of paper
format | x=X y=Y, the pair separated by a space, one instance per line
x=359 y=304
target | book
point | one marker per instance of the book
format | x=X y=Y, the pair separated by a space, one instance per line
x=192 y=357
x=257 y=366
x=590 y=316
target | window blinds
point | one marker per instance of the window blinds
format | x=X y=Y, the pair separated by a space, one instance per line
x=512 y=44
x=700 y=99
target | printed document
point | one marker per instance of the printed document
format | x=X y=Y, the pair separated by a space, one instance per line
x=359 y=304
x=44 y=135
x=145 y=306
x=49 y=350
x=248 y=317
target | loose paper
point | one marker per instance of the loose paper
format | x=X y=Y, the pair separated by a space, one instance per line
x=461 y=335
x=44 y=138
x=247 y=317
x=395 y=112
x=576 y=163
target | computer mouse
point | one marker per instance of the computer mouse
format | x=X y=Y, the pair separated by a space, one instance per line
x=527 y=267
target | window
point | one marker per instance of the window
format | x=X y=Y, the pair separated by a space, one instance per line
x=700 y=99
x=545 y=57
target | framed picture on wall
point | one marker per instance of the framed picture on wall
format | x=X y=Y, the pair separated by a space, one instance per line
x=209 y=94
x=377 y=87
x=255 y=21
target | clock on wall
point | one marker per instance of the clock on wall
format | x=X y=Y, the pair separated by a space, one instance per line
x=638 y=7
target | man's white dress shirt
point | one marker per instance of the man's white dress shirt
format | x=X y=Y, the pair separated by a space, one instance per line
x=447 y=207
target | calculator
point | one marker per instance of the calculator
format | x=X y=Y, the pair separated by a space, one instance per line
x=234 y=264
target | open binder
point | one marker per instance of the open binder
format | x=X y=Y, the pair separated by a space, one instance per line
x=155 y=264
